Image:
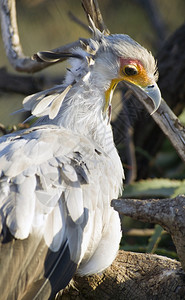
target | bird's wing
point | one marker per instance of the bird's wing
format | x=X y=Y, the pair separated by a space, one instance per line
x=42 y=174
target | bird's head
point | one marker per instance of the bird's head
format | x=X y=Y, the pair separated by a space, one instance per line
x=110 y=60
x=120 y=58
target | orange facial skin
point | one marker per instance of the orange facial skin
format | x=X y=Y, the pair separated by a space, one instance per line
x=141 y=78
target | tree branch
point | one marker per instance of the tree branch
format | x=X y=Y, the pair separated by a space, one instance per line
x=11 y=40
x=169 y=213
x=13 y=45
x=166 y=119
x=25 y=84
x=155 y=18
x=92 y=9
x=78 y=21
x=132 y=276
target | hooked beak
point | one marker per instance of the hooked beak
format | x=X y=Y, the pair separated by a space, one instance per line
x=154 y=93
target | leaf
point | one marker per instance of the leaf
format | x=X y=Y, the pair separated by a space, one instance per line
x=180 y=190
x=154 y=239
x=182 y=117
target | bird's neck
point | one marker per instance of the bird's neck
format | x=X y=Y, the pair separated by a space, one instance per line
x=83 y=113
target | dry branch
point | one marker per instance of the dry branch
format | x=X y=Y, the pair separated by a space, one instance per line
x=132 y=276
x=156 y=19
x=11 y=40
x=169 y=213
x=13 y=45
x=166 y=120
x=10 y=82
x=92 y=9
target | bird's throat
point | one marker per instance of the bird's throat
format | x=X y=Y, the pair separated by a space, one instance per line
x=108 y=98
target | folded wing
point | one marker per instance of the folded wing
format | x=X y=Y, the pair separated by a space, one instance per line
x=42 y=210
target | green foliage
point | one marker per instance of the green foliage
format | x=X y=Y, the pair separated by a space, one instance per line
x=154 y=188
x=159 y=251
x=154 y=240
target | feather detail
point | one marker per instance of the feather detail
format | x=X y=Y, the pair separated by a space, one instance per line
x=43 y=104
x=51 y=57
x=74 y=201
x=55 y=229
x=19 y=111
x=86 y=77
x=57 y=102
x=73 y=194
x=29 y=101
x=28 y=119
x=96 y=32
x=21 y=206
x=88 y=48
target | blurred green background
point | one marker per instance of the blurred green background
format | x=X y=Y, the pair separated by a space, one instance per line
x=44 y=25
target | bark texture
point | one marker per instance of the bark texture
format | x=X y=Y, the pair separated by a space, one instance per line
x=141 y=276
x=169 y=213
x=132 y=276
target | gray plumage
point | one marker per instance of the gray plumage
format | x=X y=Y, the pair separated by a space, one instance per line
x=58 y=177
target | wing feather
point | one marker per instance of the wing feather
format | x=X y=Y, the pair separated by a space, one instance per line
x=21 y=208
x=43 y=103
x=54 y=233
x=74 y=202
x=39 y=178
x=30 y=101
x=57 y=102
x=51 y=189
x=46 y=102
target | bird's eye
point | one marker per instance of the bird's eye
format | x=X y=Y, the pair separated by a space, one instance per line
x=130 y=70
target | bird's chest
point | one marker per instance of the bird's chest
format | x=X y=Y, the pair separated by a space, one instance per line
x=105 y=181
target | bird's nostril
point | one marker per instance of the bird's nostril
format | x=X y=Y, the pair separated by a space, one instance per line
x=151 y=86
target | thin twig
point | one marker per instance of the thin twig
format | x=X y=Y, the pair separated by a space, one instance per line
x=79 y=22
x=155 y=17
x=140 y=232
x=92 y=8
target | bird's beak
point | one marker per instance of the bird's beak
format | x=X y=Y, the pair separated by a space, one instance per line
x=154 y=93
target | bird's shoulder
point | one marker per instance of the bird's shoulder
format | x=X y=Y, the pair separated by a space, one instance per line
x=39 y=144
x=39 y=166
